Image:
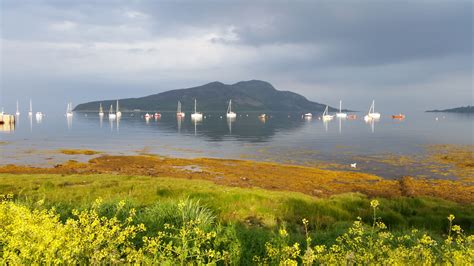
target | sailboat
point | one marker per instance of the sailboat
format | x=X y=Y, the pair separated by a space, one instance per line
x=179 y=113
x=30 y=112
x=196 y=115
x=69 y=110
x=372 y=114
x=308 y=116
x=112 y=115
x=17 y=109
x=101 y=110
x=326 y=115
x=341 y=114
x=119 y=114
x=230 y=114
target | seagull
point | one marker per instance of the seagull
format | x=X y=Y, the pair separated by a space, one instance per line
x=353 y=165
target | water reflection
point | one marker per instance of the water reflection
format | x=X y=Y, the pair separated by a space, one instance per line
x=230 y=120
x=179 y=120
x=7 y=127
x=69 y=122
x=372 y=122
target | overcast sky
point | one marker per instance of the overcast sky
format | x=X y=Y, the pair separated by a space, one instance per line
x=404 y=54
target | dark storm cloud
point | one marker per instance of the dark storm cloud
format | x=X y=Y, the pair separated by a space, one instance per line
x=323 y=49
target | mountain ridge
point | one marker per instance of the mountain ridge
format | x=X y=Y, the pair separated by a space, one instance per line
x=251 y=95
x=463 y=109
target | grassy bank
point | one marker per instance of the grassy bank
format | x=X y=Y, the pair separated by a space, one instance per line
x=251 y=206
x=246 y=217
x=270 y=176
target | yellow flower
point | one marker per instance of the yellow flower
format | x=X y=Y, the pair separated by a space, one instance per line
x=451 y=217
x=374 y=203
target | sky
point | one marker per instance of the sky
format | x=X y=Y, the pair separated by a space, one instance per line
x=407 y=55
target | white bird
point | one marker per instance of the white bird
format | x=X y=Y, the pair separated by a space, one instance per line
x=353 y=165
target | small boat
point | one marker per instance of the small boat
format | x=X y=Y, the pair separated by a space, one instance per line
x=400 y=116
x=157 y=115
x=30 y=112
x=112 y=115
x=326 y=115
x=147 y=116
x=196 y=115
x=179 y=113
x=230 y=114
x=372 y=114
x=101 y=110
x=341 y=114
x=69 y=112
x=352 y=117
x=17 y=109
x=119 y=114
x=307 y=115
x=39 y=115
x=262 y=116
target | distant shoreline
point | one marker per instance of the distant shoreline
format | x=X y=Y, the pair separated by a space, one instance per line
x=464 y=110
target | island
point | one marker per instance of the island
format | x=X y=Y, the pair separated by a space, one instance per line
x=464 y=110
x=253 y=95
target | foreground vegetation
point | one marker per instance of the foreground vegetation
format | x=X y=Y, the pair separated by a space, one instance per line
x=190 y=236
x=149 y=219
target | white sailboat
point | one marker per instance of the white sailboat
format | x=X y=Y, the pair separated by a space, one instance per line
x=119 y=114
x=69 y=112
x=230 y=114
x=179 y=113
x=30 y=112
x=101 y=110
x=17 y=109
x=326 y=115
x=112 y=115
x=308 y=116
x=372 y=114
x=39 y=115
x=341 y=114
x=196 y=115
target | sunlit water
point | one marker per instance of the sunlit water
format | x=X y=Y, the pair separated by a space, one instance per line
x=282 y=137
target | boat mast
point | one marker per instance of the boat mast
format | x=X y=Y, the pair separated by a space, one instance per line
x=101 y=110
x=31 y=106
x=179 y=107
x=340 y=106
x=17 y=111
x=195 y=102
x=229 y=108
x=117 y=106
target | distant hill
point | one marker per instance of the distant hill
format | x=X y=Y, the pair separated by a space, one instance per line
x=253 y=95
x=466 y=109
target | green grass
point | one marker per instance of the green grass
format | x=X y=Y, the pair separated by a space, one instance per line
x=252 y=215
x=252 y=207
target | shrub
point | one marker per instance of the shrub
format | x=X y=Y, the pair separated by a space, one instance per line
x=373 y=244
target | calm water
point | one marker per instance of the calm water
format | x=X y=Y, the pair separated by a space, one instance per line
x=283 y=137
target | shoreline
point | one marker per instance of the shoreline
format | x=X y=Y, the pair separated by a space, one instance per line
x=313 y=181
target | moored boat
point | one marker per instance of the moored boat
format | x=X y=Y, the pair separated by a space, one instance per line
x=399 y=116
x=230 y=114
x=341 y=114
x=179 y=113
x=326 y=115
x=112 y=115
x=196 y=115
x=372 y=114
